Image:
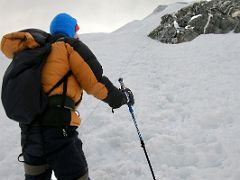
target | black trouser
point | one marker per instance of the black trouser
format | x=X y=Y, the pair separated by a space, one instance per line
x=48 y=149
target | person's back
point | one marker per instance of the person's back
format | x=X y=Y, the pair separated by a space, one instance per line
x=51 y=142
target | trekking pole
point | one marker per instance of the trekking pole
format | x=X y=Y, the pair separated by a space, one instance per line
x=135 y=123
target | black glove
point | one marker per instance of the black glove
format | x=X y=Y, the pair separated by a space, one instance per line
x=129 y=97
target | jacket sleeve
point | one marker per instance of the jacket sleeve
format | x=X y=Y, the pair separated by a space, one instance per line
x=89 y=74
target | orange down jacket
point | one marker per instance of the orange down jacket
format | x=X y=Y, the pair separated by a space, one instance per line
x=66 y=54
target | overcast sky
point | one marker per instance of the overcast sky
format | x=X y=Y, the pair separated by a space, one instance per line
x=92 y=15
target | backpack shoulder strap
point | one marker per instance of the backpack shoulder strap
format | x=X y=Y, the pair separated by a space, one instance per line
x=63 y=79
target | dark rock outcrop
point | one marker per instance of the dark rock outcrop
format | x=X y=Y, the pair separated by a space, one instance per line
x=204 y=17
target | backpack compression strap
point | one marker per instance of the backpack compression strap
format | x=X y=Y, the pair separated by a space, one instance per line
x=63 y=80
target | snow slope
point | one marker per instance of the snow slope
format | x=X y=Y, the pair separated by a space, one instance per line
x=187 y=108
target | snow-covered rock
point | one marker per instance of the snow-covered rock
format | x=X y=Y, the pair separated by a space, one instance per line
x=204 y=17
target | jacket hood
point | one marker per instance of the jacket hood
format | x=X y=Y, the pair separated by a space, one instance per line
x=15 y=42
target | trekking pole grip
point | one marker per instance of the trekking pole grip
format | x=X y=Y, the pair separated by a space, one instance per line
x=122 y=86
x=120 y=80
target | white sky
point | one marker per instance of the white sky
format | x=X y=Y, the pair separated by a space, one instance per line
x=92 y=15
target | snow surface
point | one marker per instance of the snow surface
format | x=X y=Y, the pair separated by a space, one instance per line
x=187 y=108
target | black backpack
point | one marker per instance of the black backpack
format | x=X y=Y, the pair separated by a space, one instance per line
x=22 y=95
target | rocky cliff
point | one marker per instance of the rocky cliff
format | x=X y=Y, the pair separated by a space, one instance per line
x=215 y=16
